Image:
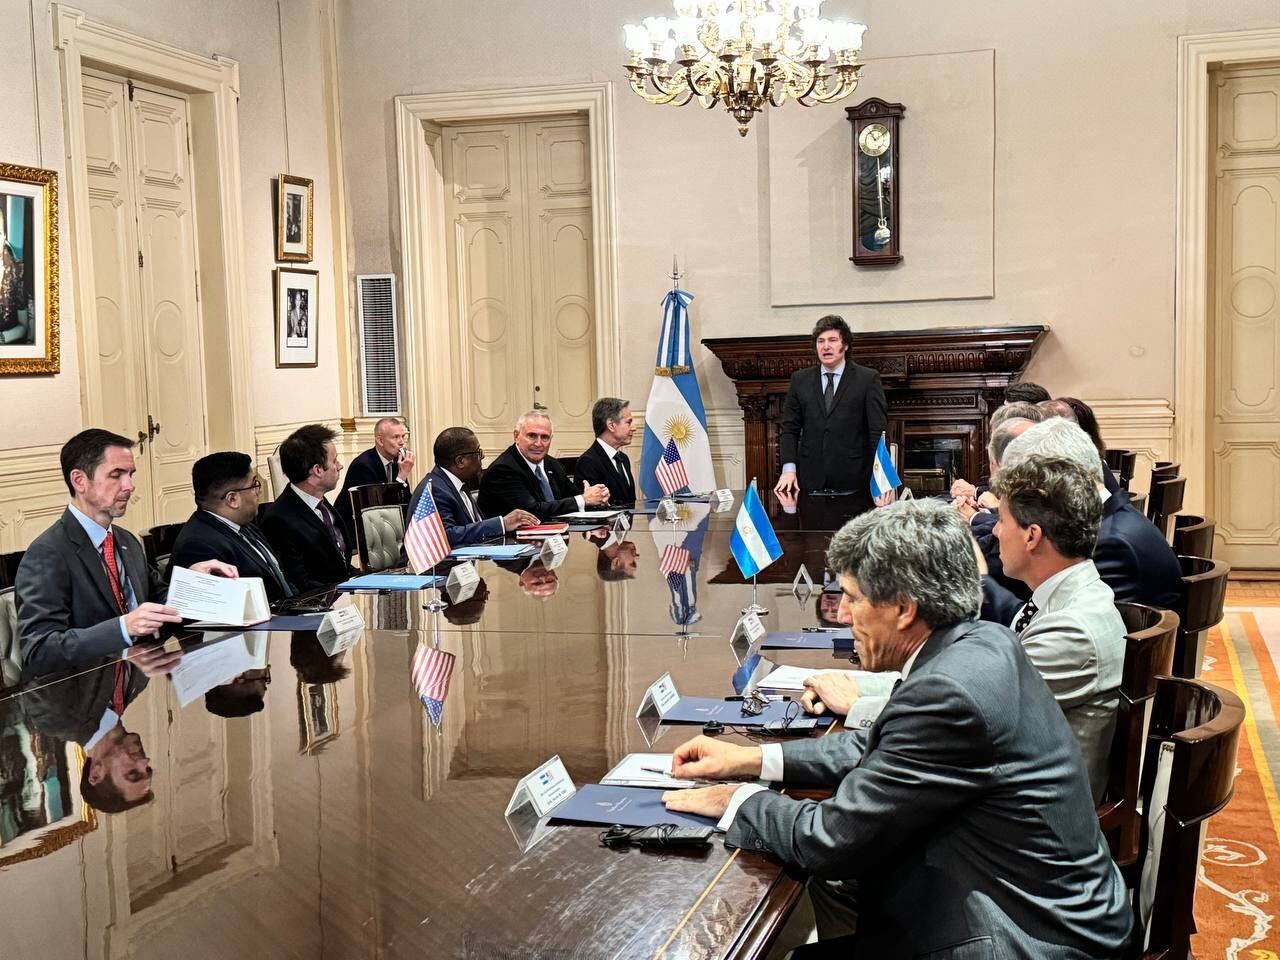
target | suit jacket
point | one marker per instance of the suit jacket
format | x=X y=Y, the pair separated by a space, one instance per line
x=594 y=466
x=366 y=468
x=205 y=537
x=302 y=544
x=964 y=809
x=509 y=483
x=834 y=450
x=68 y=617
x=461 y=530
x=1132 y=556
x=1077 y=642
x=72 y=708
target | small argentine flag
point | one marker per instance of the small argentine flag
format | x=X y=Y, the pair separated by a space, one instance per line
x=753 y=544
x=883 y=477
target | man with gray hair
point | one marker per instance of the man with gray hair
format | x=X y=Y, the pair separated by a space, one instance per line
x=526 y=477
x=604 y=461
x=961 y=819
x=1016 y=410
x=1133 y=558
x=387 y=461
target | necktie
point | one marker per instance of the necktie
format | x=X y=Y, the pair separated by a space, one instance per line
x=1025 y=617
x=392 y=471
x=829 y=394
x=327 y=516
x=261 y=548
x=620 y=461
x=117 y=690
x=896 y=685
x=542 y=482
x=113 y=572
x=472 y=509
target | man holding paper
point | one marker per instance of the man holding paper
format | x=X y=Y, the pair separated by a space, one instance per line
x=965 y=806
x=84 y=588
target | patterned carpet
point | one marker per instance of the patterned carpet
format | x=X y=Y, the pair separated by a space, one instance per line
x=1239 y=888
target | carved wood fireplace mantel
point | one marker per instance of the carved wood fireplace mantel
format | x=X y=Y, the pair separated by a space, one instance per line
x=941 y=384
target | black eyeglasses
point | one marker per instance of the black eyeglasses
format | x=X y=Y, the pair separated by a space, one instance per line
x=478 y=454
x=256 y=485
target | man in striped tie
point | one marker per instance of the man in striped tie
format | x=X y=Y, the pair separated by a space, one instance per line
x=85 y=591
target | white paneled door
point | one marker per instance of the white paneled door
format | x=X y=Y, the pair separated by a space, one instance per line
x=518 y=202
x=149 y=362
x=1245 y=309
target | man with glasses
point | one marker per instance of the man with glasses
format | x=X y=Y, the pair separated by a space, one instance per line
x=456 y=474
x=223 y=526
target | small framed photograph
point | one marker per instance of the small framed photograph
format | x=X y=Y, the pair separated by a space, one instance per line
x=294 y=234
x=48 y=812
x=297 y=316
x=28 y=270
x=317 y=715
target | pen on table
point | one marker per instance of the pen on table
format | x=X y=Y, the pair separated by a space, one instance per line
x=668 y=773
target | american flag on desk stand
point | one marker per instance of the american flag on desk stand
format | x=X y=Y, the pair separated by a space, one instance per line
x=425 y=541
x=431 y=671
x=670 y=470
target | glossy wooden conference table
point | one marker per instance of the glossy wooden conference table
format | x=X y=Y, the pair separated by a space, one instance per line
x=339 y=822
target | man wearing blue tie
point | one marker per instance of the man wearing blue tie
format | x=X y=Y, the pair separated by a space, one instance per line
x=526 y=477
x=458 y=458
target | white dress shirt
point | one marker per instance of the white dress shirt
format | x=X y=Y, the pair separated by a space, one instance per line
x=109 y=720
x=386 y=463
x=582 y=504
x=822 y=379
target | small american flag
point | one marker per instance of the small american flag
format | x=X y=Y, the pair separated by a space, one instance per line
x=431 y=671
x=674 y=560
x=670 y=470
x=425 y=541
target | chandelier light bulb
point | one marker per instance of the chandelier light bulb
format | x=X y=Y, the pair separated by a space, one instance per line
x=658 y=28
x=636 y=39
x=765 y=26
x=685 y=8
x=685 y=30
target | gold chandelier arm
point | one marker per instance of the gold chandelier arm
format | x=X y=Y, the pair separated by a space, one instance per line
x=660 y=97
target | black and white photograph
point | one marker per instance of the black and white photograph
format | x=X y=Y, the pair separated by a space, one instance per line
x=28 y=270
x=317 y=715
x=297 y=300
x=294 y=218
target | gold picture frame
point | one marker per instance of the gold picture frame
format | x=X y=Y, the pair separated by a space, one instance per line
x=295 y=220
x=78 y=821
x=28 y=270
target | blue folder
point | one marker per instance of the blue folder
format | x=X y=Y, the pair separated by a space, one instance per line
x=282 y=623
x=629 y=806
x=808 y=640
x=502 y=551
x=702 y=709
x=391 y=581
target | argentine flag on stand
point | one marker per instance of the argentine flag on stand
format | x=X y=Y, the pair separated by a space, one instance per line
x=674 y=409
x=883 y=476
x=753 y=544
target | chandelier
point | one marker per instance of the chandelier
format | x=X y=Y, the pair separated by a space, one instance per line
x=746 y=54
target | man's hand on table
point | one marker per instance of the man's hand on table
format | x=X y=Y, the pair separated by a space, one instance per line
x=703 y=801
x=829 y=692
x=705 y=758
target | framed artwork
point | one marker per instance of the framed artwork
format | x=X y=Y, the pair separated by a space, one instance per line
x=297 y=316
x=28 y=270
x=294 y=196
x=48 y=813
x=317 y=715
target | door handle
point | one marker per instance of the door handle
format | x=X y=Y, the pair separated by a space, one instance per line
x=153 y=426
x=538 y=406
x=142 y=440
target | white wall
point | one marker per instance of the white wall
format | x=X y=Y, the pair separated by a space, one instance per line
x=1083 y=188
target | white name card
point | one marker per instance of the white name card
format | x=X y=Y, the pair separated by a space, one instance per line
x=721 y=500
x=749 y=632
x=202 y=596
x=661 y=694
x=342 y=620
x=554 y=550
x=667 y=510
x=544 y=789
x=462 y=582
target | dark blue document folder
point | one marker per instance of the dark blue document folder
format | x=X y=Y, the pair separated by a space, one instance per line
x=628 y=806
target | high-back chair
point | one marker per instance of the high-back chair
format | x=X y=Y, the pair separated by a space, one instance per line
x=1122 y=464
x=9 y=567
x=379 y=512
x=158 y=543
x=1204 y=594
x=278 y=479
x=1165 y=469
x=1164 y=500
x=1139 y=502
x=1193 y=536
x=10 y=652
x=1149 y=641
x=1188 y=776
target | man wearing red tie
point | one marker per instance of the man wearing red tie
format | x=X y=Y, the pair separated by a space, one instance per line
x=84 y=589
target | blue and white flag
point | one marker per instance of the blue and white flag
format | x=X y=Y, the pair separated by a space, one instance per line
x=674 y=410
x=883 y=476
x=753 y=544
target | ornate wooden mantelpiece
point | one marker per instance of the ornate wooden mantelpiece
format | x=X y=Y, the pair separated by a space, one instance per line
x=941 y=383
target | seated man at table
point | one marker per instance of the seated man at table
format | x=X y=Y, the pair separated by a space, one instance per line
x=388 y=461
x=458 y=457
x=226 y=491
x=604 y=461
x=526 y=477
x=85 y=589
x=961 y=823
x=301 y=526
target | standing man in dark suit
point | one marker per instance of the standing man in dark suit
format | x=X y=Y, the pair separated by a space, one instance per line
x=84 y=589
x=526 y=477
x=458 y=457
x=961 y=824
x=833 y=418
x=387 y=461
x=301 y=527
x=603 y=461
x=223 y=527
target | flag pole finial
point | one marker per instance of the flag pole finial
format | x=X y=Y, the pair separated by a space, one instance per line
x=675 y=273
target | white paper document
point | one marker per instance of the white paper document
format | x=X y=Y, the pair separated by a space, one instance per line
x=792 y=679
x=638 y=770
x=202 y=596
x=601 y=515
x=217 y=662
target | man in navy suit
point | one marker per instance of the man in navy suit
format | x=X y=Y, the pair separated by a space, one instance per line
x=604 y=461
x=226 y=490
x=458 y=457
x=527 y=477
x=387 y=461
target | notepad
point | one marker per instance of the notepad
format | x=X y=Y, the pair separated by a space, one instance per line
x=505 y=551
x=808 y=640
x=541 y=530
x=636 y=770
x=869 y=684
x=391 y=581
x=236 y=601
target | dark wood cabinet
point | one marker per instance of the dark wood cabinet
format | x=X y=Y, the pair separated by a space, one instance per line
x=941 y=384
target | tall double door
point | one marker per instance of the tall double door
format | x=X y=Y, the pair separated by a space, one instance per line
x=518 y=202
x=148 y=364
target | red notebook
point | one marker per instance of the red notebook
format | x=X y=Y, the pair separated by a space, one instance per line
x=541 y=531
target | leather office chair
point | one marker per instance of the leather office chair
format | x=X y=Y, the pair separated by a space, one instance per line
x=1164 y=500
x=1139 y=502
x=1189 y=776
x=570 y=465
x=158 y=543
x=278 y=479
x=1122 y=464
x=379 y=509
x=10 y=651
x=1149 y=642
x=1204 y=594
x=1193 y=536
x=9 y=567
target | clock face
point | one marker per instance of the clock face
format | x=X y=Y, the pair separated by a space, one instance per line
x=874 y=139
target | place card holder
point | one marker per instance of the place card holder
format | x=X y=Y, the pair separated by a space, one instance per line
x=554 y=550
x=747 y=636
x=721 y=500
x=802 y=586
x=667 y=510
x=462 y=582
x=340 y=629
x=654 y=705
x=535 y=797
